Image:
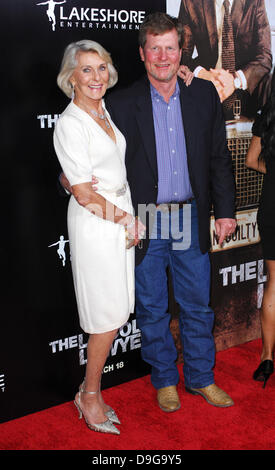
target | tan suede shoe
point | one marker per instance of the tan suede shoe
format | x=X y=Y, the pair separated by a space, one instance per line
x=168 y=399
x=213 y=395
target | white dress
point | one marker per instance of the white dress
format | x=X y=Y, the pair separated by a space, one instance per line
x=103 y=269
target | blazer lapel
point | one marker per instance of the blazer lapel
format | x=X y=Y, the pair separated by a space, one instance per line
x=211 y=24
x=237 y=14
x=189 y=119
x=144 y=116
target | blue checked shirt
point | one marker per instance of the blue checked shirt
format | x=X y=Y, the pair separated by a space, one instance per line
x=173 y=176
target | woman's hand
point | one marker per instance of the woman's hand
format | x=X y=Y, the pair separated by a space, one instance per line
x=185 y=73
x=134 y=231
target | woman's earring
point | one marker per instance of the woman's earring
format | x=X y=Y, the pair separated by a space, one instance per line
x=72 y=86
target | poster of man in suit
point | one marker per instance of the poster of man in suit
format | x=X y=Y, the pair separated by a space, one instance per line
x=216 y=29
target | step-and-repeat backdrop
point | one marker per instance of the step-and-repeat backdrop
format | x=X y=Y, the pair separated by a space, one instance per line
x=42 y=347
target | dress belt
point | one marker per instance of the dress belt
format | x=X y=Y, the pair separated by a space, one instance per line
x=119 y=192
x=174 y=206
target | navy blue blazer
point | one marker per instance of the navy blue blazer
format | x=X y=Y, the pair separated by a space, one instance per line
x=209 y=161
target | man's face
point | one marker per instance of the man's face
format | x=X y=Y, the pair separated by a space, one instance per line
x=161 y=56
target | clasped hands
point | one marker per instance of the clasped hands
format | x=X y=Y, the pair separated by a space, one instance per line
x=134 y=232
x=222 y=79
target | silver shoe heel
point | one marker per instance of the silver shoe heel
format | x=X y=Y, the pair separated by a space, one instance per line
x=105 y=427
x=111 y=414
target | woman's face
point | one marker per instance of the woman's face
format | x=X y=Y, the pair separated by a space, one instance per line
x=90 y=77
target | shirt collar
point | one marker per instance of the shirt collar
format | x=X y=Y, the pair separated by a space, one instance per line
x=219 y=3
x=155 y=94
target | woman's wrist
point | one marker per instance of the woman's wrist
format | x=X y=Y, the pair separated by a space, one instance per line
x=131 y=223
x=127 y=220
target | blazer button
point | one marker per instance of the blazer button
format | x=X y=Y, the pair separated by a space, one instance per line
x=156 y=186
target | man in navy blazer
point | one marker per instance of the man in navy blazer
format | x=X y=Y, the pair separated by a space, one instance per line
x=178 y=167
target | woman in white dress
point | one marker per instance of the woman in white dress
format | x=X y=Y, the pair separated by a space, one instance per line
x=88 y=143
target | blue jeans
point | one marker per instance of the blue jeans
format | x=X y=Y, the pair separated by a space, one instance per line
x=190 y=272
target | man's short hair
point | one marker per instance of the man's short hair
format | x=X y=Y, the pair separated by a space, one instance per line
x=159 y=23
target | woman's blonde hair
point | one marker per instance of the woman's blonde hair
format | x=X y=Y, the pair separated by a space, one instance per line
x=69 y=63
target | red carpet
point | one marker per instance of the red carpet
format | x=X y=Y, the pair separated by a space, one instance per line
x=249 y=425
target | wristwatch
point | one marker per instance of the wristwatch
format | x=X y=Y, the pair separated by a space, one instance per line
x=237 y=82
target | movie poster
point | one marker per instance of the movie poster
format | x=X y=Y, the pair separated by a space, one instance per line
x=238 y=272
x=42 y=347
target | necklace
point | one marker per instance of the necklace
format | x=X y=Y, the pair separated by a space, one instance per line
x=101 y=116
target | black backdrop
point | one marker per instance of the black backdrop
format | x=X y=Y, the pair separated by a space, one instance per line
x=42 y=346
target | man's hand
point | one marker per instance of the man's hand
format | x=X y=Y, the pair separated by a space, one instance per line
x=222 y=79
x=224 y=228
x=94 y=182
x=185 y=73
x=208 y=75
x=226 y=79
x=66 y=185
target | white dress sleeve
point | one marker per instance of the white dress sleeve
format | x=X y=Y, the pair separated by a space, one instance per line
x=71 y=143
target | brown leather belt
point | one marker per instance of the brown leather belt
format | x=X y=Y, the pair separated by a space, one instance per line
x=173 y=206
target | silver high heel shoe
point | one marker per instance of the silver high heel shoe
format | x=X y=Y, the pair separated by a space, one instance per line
x=106 y=427
x=111 y=414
